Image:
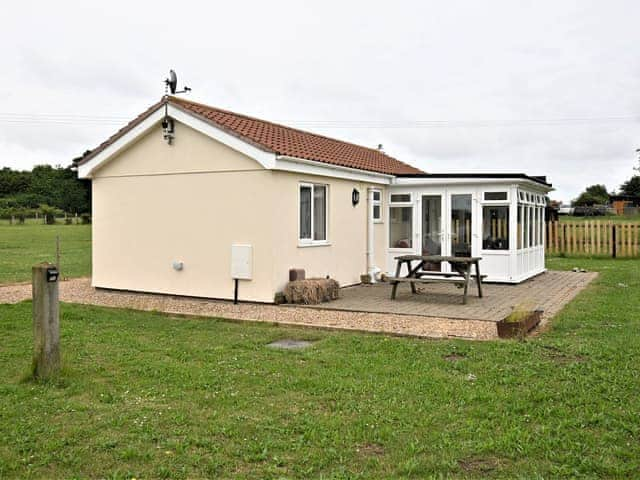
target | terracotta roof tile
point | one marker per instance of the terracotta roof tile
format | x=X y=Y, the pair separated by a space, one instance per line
x=281 y=140
x=292 y=142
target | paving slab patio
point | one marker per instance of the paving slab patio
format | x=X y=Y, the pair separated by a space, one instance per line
x=549 y=291
x=437 y=314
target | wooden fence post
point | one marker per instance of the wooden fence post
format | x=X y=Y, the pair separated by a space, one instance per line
x=46 y=321
x=58 y=252
x=613 y=241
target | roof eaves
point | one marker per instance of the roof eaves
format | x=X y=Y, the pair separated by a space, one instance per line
x=129 y=126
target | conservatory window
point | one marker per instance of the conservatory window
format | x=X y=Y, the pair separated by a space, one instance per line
x=400 y=226
x=525 y=229
x=495 y=196
x=531 y=225
x=520 y=208
x=400 y=221
x=400 y=198
x=534 y=224
x=495 y=227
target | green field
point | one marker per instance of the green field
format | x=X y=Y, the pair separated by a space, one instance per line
x=21 y=246
x=152 y=396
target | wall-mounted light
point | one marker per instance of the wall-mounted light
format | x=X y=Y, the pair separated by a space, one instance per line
x=355 y=197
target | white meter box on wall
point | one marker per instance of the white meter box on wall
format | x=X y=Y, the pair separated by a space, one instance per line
x=241 y=262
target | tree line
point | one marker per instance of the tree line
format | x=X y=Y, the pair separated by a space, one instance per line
x=598 y=194
x=44 y=189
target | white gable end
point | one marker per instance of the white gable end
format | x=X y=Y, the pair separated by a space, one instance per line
x=266 y=159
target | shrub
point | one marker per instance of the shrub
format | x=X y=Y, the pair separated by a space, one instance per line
x=49 y=213
x=520 y=312
x=85 y=218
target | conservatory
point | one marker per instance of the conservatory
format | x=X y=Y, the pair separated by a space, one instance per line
x=498 y=217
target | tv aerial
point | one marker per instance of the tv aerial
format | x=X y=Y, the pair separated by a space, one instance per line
x=171 y=84
x=168 y=125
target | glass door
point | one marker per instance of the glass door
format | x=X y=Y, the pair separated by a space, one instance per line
x=432 y=231
x=461 y=224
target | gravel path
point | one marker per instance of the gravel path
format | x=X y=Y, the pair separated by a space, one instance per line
x=80 y=291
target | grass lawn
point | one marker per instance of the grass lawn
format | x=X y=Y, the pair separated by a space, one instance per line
x=149 y=396
x=21 y=246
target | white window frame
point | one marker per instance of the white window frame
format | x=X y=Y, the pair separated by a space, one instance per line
x=524 y=197
x=496 y=202
x=396 y=204
x=310 y=242
x=408 y=203
x=377 y=203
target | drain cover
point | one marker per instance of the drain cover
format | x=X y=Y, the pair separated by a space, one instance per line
x=289 y=344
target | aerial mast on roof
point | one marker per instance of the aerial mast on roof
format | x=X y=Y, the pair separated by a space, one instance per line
x=170 y=85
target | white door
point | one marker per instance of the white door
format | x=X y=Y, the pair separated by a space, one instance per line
x=432 y=222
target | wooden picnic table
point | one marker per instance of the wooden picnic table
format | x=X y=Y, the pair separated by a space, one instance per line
x=461 y=274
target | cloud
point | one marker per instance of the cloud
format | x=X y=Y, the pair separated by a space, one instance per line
x=493 y=65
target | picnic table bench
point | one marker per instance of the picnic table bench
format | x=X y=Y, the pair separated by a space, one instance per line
x=461 y=274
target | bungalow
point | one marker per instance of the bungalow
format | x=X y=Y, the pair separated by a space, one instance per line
x=188 y=197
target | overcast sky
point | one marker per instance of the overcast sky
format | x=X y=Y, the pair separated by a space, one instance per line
x=546 y=88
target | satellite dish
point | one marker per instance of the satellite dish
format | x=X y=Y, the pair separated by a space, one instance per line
x=172 y=81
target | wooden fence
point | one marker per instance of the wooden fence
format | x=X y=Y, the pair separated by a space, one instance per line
x=594 y=237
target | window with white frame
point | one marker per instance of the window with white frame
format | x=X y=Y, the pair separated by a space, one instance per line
x=495 y=220
x=400 y=220
x=313 y=213
x=377 y=206
x=497 y=196
x=519 y=231
x=541 y=231
x=530 y=220
x=495 y=227
x=400 y=198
